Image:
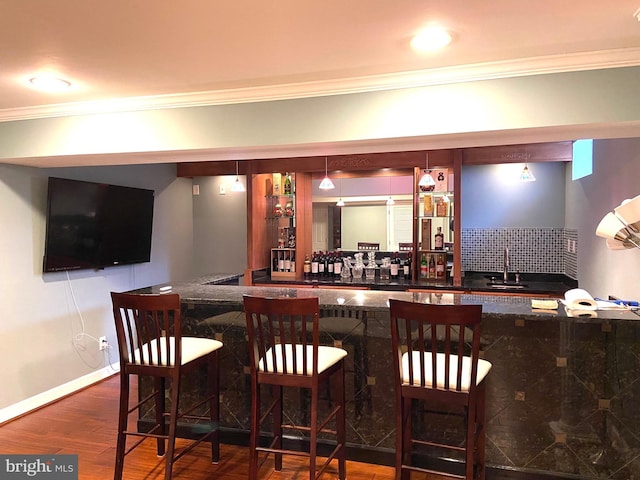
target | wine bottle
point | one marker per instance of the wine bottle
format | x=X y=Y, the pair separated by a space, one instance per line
x=330 y=263
x=306 y=268
x=407 y=266
x=314 y=264
x=292 y=268
x=287 y=263
x=438 y=242
x=287 y=184
x=432 y=267
x=321 y=258
x=395 y=266
x=337 y=265
x=424 y=266
x=440 y=267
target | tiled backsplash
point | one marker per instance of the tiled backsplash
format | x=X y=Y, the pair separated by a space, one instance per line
x=531 y=250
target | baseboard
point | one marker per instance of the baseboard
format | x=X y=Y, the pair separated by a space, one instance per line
x=40 y=400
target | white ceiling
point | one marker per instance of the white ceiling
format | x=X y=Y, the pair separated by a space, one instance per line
x=162 y=52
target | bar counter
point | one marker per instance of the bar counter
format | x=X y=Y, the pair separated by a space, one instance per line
x=562 y=396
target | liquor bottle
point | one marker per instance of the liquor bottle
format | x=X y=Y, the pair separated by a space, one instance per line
x=395 y=266
x=330 y=262
x=440 y=267
x=424 y=266
x=287 y=263
x=314 y=264
x=287 y=184
x=432 y=267
x=407 y=266
x=337 y=265
x=438 y=242
x=306 y=268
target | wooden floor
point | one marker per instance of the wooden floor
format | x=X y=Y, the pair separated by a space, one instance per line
x=85 y=424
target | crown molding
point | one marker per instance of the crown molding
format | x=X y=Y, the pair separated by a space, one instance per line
x=564 y=63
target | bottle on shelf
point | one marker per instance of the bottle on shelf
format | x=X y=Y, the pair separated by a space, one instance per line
x=292 y=268
x=274 y=267
x=438 y=242
x=314 y=264
x=306 y=268
x=330 y=262
x=424 y=266
x=287 y=262
x=406 y=267
x=440 y=274
x=432 y=267
x=442 y=207
x=321 y=260
x=337 y=265
x=428 y=205
x=395 y=266
x=287 y=188
x=281 y=262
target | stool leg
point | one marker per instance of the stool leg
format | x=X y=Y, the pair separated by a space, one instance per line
x=255 y=429
x=213 y=369
x=313 y=432
x=406 y=437
x=480 y=419
x=159 y=386
x=277 y=425
x=341 y=429
x=123 y=418
x=173 y=422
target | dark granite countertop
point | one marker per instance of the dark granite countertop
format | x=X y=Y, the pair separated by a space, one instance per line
x=209 y=290
x=541 y=284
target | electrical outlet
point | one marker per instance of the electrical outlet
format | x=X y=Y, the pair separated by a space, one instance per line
x=102 y=343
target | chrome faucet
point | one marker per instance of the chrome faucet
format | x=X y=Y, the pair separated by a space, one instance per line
x=505 y=275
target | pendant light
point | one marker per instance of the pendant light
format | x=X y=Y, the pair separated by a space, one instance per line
x=237 y=185
x=526 y=175
x=427 y=183
x=340 y=202
x=326 y=183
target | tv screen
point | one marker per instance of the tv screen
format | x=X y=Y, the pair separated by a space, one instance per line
x=95 y=225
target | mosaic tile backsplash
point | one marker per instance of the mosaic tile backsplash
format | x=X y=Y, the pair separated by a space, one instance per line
x=531 y=250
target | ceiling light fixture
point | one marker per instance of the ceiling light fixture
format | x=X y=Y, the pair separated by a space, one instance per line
x=326 y=183
x=237 y=185
x=49 y=84
x=527 y=175
x=430 y=39
x=427 y=183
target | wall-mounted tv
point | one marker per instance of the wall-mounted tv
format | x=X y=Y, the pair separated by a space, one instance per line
x=95 y=225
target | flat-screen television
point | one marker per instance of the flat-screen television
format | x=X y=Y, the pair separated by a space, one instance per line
x=95 y=225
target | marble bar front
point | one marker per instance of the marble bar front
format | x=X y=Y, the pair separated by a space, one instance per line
x=562 y=399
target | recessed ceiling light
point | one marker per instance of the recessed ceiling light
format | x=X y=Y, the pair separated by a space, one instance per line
x=431 y=38
x=49 y=84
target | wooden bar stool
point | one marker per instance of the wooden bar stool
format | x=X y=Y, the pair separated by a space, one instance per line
x=435 y=354
x=150 y=342
x=284 y=351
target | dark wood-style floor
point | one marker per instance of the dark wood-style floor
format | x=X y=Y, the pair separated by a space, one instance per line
x=85 y=424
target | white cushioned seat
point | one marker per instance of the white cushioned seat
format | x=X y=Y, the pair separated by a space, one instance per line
x=327 y=357
x=192 y=348
x=483 y=369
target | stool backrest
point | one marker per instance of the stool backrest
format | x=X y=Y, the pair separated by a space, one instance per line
x=430 y=343
x=279 y=326
x=148 y=328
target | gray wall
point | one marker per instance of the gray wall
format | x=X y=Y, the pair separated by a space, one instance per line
x=615 y=176
x=43 y=315
x=493 y=196
x=219 y=226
